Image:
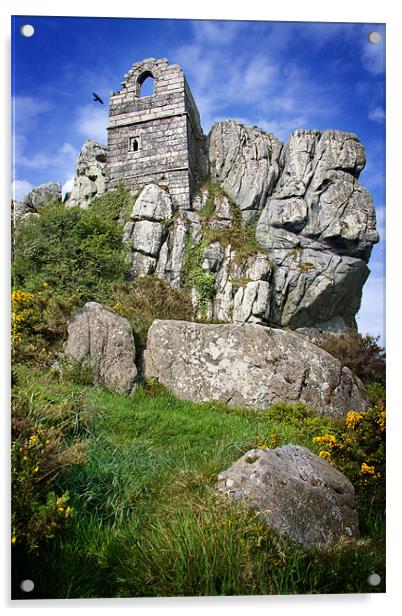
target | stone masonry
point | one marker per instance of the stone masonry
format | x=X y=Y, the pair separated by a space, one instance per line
x=156 y=139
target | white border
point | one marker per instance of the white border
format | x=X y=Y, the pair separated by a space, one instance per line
x=292 y=10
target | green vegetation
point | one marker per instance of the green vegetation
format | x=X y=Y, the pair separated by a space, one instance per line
x=195 y=277
x=115 y=496
x=239 y=235
x=146 y=299
x=71 y=250
x=362 y=354
x=114 y=206
x=145 y=518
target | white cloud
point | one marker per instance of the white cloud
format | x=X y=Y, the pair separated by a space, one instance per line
x=67 y=186
x=26 y=110
x=92 y=122
x=377 y=114
x=19 y=188
x=61 y=163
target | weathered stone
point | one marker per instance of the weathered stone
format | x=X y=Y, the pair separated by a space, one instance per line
x=214 y=254
x=318 y=197
x=153 y=204
x=142 y=265
x=90 y=175
x=156 y=139
x=148 y=237
x=42 y=195
x=295 y=492
x=250 y=366
x=102 y=340
x=246 y=161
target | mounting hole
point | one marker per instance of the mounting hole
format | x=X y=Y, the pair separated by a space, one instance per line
x=27 y=30
x=374 y=37
x=373 y=579
x=27 y=585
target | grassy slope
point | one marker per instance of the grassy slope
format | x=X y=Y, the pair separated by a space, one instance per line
x=148 y=521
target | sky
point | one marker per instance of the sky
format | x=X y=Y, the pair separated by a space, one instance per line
x=279 y=76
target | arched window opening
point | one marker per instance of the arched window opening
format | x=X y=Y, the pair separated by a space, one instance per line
x=146 y=84
x=134 y=144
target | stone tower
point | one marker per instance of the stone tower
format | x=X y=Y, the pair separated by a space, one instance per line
x=156 y=138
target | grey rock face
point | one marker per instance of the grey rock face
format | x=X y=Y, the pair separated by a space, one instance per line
x=42 y=195
x=90 y=175
x=19 y=211
x=246 y=161
x=295 y=492
x=101 y=339
x=315 y=229
x=153 y=204
x=250 y=366
x=318 y=227
x=146 y=231
x=317 y=201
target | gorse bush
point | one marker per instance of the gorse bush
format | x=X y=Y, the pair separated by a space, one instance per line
x=72 y=250
x=39 y=324
x=46 y=440
x=362 y=354
x=357 y=448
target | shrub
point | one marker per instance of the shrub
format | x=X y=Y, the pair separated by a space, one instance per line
x=195 y=277
x=146 y=299
x=362 y=354
x=240 y=235
x=70 y=249
x=45 y=431
x=39 y=324
x=114 y=206
x=357 y=448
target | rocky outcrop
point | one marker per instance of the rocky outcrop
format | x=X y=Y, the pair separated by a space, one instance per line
x=246 y=161
x=35 y=200
x=311 y=225
x=318 y=227
x=102 y=340
x=42 y=195
x=249 y=366
x=90 y=175
x=147 y=230
x=295 y=492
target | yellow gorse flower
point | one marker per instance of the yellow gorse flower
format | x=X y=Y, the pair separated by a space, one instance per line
x=21 y=297
x=325 y=454
x=365 y=469
x=381 y=421
x=352 y=419
x=326 y=439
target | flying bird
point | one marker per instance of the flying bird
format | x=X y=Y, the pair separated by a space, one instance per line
x=97 y=98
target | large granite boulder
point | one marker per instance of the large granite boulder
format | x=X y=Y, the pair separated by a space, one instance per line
x=318 y=227
x=246 y=161
x=295 y=492
x=90 y=175
x=249 y=366
x=146 y=231
x=42 y=195
x=102 y=340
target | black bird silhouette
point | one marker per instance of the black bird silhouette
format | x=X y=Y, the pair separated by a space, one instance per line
x=97 y=98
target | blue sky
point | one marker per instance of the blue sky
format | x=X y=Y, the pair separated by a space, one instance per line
x=279 y=76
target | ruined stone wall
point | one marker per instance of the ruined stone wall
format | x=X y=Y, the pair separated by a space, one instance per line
x=166 y=128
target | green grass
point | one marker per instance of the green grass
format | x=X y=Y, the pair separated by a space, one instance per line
x=148 y=521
